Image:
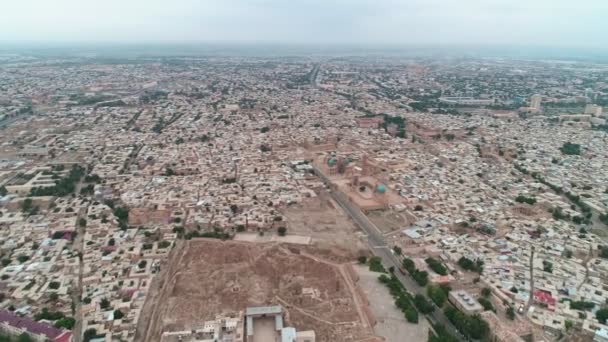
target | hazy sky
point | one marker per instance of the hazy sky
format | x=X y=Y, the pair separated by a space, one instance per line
x=561 y=23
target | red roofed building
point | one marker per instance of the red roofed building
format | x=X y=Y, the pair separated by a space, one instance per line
x=15 y=325
x=544 y=298
x=369 y=122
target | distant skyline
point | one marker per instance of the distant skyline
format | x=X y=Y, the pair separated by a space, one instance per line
x=555 y=23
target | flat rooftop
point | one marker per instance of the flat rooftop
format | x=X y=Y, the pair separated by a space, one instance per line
x=263 y=310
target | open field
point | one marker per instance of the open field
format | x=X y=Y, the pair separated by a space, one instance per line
x=391 y=323
x=315 y=287
x=323 y=220
x=388 y=220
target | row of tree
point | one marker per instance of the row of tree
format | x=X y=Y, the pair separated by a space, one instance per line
x=470 y=326
x=65 y=186
x=470 y=265
x=403 y=300
x=421 y=277
x=436 y=266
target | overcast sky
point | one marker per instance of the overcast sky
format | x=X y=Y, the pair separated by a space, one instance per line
x=560 y=23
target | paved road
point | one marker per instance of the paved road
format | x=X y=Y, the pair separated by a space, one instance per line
x=314 y=74
x=380 y=248
x=531 y=298
x=132 y=157
x=8 y=121
x=78 y=246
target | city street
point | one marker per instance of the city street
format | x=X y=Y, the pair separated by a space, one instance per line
x=379 y=247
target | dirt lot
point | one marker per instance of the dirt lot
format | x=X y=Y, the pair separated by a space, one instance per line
x=388 y=220
x=312 y=285
x=322 y=220
x=391 y=323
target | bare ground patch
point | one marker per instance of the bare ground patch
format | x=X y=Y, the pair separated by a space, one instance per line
x=216 y=277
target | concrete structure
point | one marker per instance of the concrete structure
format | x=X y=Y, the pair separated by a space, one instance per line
x=262 y=312
x=593 y=109
x=601 y=335
x=470 y=101
x=535 y=101
x=265 y=324
x=575 y=117
x=22 y=185
x=223 y=328
x=464 y=302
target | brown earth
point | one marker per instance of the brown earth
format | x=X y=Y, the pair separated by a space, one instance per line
x=212 y=277
x=326 y=223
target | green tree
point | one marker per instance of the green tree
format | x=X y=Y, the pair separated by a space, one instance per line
x=581 y=305
x=118 y=314
x=510 y=313
x=486 y=292
x=24 y=337
x=66 y=323
x=104 y=304
x=602 y=315
x=442 y=335
x=603 y=252
x=362 y=259
x=282 y=231
x=570 y=149
x=375 y=265
x=436 y=266
x=26 y=205
x=89 y=334
x=3 y=191
x=604 y=218
x=470 y=326
x=470 y=265
x=487 y=305
x=421 y=277
x=423 y=305
x=547 y=266
x=438 y=294
x=121 y=213
x=23 y=258
x=411 y=315
x=525 y=199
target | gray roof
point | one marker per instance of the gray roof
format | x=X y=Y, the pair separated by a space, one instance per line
x=263 y=310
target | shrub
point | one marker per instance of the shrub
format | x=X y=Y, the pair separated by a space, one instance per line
x=436 y=266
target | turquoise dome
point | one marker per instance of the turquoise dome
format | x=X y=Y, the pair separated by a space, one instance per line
x=331 y=162
x=381 y=189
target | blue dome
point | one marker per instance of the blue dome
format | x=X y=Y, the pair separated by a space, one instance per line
x=381 y=189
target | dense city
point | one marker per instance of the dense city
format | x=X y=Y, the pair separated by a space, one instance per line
x=303 y=199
